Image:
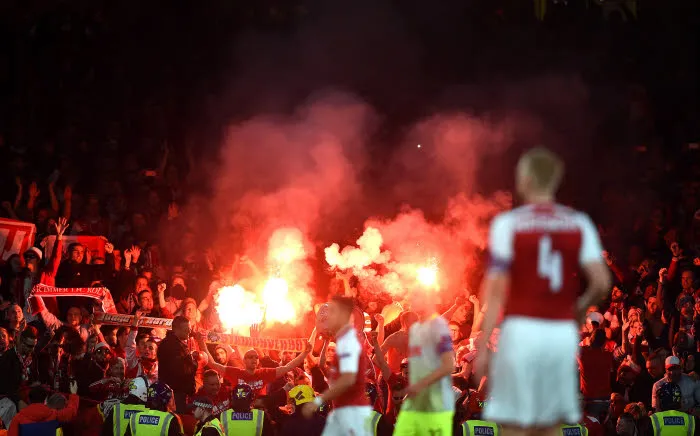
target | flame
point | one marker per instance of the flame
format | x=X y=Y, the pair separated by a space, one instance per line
x=281 y=297
x=427 y=275
x=278 y=307
x=237 y=308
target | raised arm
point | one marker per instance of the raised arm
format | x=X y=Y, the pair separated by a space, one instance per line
x=660 y=294
x=18 y=198
x=451 y=311
x=130 y=349
x=55 y=259
x=33 y=195
x=219 y=368
x=390 y=342
x=310 y=359
x=50 y=320
x=297 y=361
x=322 y=356
x=379 y=358
x=52 y=196
x=380 y=327
x=67 y=201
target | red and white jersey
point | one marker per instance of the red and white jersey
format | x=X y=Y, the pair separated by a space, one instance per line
x=349 y=359
x=542 y=247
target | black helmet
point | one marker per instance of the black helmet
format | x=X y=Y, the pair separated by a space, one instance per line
x=159 y=396
x=242 y=396
x=669 y=396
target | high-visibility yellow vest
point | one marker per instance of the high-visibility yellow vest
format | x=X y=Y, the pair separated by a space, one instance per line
x=248 y=423
x=374 y=418
x=215 y=424
x=574 y=430
x=672 y=423
x=475 y=427
x=153 y=423
x=121 y=415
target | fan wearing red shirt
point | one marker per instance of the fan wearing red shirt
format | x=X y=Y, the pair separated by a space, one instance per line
x=595 y=366
x=254 y=376
x=351 y=411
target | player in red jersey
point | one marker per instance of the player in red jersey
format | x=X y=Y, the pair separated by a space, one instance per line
x=535 y=251
x=351 y=410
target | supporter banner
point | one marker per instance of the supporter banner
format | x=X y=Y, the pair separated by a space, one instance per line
x=127 y=320
x=293 y=344
x=101 y=294
x=96 y=244
x=15 y=237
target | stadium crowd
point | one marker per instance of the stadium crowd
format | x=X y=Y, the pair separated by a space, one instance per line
x=642 y=340
x=60 y=368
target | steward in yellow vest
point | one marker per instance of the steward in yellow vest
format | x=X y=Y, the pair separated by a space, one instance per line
x=156 y=420
x=669 y=421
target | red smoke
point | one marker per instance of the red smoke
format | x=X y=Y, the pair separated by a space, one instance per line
x=286 y=180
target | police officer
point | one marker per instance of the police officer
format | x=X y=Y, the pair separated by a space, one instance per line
x=574 y=430
x=477 y=426
x=474 y=403
x=671 y=422
x=241 y=419
x=207 y=424
x=118 y=419
x=157 y=420
x=378 y=423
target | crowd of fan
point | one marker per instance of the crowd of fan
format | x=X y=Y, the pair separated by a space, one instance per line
x=642 y=337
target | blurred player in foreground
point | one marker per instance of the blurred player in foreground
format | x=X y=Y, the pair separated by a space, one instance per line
x=535 y=252
x=351 y=411
x=430 y=401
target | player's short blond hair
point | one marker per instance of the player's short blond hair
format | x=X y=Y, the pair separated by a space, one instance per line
x=543 y=167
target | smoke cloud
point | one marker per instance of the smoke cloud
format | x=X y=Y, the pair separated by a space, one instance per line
x=300 y=174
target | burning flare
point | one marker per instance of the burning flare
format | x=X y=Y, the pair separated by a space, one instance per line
x=427 y=275
x=238 y=309
x=276 y=299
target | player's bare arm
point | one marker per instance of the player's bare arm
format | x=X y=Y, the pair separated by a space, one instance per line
x=493 y=293
x=599 y=282
x=594 y=268
x=338 y=388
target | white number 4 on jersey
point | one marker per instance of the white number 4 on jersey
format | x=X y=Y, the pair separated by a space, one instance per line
x=549 y=264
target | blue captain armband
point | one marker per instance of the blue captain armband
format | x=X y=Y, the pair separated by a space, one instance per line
x=497 y=265
x=444 y=345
